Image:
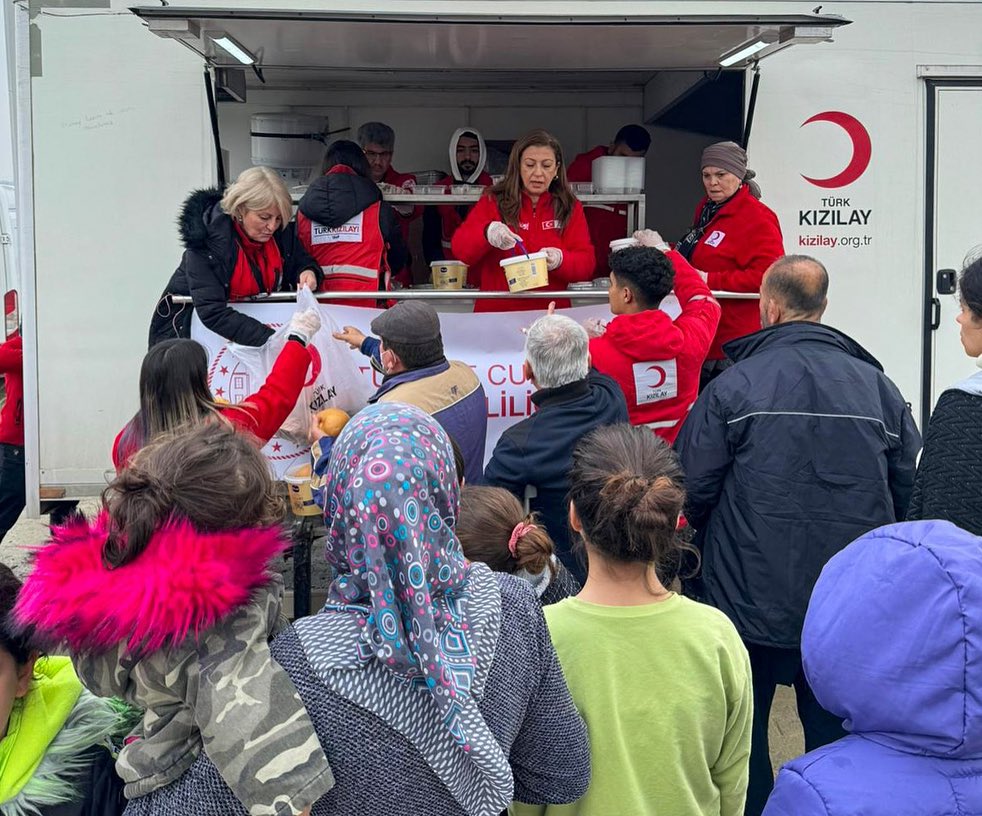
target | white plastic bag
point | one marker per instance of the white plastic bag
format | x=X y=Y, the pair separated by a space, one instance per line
x=333 y=379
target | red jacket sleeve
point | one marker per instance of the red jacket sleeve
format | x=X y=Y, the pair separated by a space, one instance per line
x=762 y=246
x=579 y=260
x=265 y=411
x=469 y=243
x=700 y=310
x=12 y=356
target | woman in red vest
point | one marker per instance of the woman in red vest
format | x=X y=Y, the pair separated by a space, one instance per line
x=533 y=204
x=238 y=244
x=343 y=223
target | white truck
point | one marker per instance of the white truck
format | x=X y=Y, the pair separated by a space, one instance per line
x=863 y=128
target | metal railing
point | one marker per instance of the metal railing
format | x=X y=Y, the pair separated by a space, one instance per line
x=456 y=294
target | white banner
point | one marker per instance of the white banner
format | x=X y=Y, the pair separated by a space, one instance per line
x=490 y=343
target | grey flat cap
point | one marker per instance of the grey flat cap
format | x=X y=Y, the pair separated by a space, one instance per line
x=410 y=322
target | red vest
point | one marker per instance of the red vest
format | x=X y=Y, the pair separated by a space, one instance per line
x=352 y=256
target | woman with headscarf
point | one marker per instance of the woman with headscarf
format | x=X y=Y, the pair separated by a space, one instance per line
x=734 y=238
x=431 y=681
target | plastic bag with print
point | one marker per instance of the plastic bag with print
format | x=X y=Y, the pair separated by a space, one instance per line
x=333 y=379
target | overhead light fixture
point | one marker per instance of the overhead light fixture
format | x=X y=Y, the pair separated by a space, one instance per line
x=770 y=42
x=236 y=49
x=742 y=52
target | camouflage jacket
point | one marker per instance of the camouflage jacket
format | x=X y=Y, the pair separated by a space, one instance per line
x=183 y=632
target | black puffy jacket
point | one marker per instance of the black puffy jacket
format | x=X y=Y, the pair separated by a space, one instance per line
x=205 y=273
x=948 y=479
x=800 y=447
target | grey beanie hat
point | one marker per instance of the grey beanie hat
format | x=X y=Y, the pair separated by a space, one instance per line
x=732 y=158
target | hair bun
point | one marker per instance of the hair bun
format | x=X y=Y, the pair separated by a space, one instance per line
x=661 y=503
x=624 y=489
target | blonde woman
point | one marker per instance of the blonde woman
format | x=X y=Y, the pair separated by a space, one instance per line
x=236 y=245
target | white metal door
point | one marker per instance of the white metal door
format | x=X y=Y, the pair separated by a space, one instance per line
x=956 y=226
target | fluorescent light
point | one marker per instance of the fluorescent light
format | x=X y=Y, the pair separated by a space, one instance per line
x=743 y=52
x=235 y=49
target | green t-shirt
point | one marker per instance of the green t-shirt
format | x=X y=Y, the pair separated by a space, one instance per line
x=665 y=692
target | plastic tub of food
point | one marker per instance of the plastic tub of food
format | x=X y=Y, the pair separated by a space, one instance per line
x=525 y=271
x=430 y=189
x=601 y=283
x=297 y=480
x=583 y=187
x=448 y=274
x=623 y=243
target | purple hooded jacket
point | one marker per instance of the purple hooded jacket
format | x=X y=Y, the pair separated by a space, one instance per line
x=892 y=642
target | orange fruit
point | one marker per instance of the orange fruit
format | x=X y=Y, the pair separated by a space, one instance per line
x=331 y=421
x=221 y=401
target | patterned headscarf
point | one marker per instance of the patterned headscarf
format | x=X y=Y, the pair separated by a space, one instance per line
x=391 y=509
x=407 y=608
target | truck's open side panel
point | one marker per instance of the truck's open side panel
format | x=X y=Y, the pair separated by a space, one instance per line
x=120 y=136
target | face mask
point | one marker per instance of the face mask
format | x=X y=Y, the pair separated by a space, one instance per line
x=387 y=364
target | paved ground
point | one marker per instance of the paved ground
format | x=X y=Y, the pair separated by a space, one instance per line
x=787 y=741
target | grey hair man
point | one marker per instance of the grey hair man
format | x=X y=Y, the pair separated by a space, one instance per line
x=797 y=449
x=378 y=141
x=532 y=458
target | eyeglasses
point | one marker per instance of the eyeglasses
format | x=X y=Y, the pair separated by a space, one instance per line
x=372 y=155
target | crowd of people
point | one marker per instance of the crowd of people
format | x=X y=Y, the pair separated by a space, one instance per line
x=593 y=622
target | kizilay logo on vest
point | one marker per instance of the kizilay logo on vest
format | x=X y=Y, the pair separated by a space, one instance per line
x=654 y=381
x=348 y=233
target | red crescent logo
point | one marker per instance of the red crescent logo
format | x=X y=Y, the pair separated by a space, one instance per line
x=862 y=148
x=315 y=365
x=662 y=374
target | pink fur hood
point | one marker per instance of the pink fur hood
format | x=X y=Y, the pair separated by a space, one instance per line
x=184 y=583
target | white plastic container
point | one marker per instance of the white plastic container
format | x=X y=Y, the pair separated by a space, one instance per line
x=618 y=174
x=448 y=274
x=280 y=147
x=623 y=243
x=525 y=271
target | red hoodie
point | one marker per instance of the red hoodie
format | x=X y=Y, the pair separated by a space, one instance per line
x=12 y=416
x=607 y=222
x=538 y=229
x=735 y=250
x=656 y=361
x=261 y=414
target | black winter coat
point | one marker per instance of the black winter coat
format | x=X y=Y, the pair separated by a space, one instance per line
x=800 y=447
x=205 y=273
x=335 y=198
x=949 y=477
x=538 y=451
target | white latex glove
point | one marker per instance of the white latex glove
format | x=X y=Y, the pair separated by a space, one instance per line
x=500 y=236
x=650 y=238
x=554 y=257
x=594 y=326
x=305 y=323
